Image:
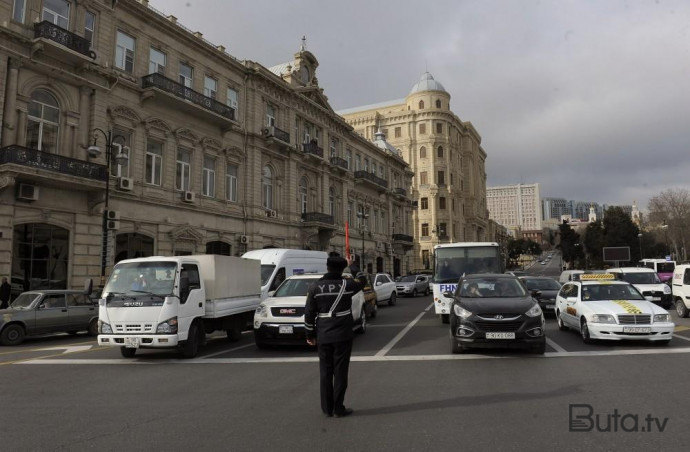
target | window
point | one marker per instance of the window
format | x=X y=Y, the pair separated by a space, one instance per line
x=442 y=203
x=210 y=87
x=441 y=179
x=231 y=100
x=57 y=12
x=220 y=248
x=19 y=10
x=442 y=230
x=384 y=226
x=438 y=103
x=422 y=129
x=270 y=115
x=439 y=127
x=349 y=213
x=208 y=174
x=267 y=188
x=334 y=147
x=423 y=178
x=154 y=162
x=376 y=221
x=231 y=183
x=302 y=195
x=348 y=158
x=186 y=75
x=40 y=257
x=422 y=152
x=451 y=178
x=358 y=162
x=182 y=176
x=421 y=105
x=366 y=164
x=121 y=144
x=331 y=202
x=425 y=229
x=43 y=122
x=307 y=132
x=156 y=62
x=89 y=26
x=439 y=152
x=124 y=52
x=398 y=132
x=373 y=168
x=424 y=203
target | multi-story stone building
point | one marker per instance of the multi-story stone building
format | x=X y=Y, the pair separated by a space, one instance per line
x=445 y=154
x=206 y=153
x=518 y=208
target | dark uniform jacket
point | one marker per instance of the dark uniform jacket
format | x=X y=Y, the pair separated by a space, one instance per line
x=323 y=320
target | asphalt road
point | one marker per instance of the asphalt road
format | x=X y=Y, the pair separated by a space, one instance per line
x=408 y=391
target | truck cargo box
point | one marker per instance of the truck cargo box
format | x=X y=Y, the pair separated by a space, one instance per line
x=228 y=276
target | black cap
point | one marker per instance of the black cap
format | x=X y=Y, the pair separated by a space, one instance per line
x=336 y=263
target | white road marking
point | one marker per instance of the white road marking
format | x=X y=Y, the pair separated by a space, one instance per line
x=401 y=334
x=681 y=337
x=228 y=351
x=68 y=348
x=555 y=346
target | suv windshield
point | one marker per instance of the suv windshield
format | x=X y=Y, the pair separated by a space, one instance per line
x=296 y=287
x=492 y=288
x=24 y=300
x=409 y=278
x=641 y=278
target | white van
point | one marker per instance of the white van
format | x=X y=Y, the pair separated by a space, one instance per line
x=681 y=289
x=648 y=283
x=277 y=264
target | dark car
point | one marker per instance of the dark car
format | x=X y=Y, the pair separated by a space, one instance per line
x=495 y=311
x=544 y=289
x=39 y=312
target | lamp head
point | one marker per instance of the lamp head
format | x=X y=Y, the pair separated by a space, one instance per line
x=94 y=151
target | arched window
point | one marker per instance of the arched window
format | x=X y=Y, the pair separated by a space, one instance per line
x=303 y=195
x=438 y=103
x=421 y=105
x=331 y=202
x=439 y=152
x=129 y=246
x=40 y=257
x=267 y=188
x=422 y=152
x=43 y=122
x=217 y=247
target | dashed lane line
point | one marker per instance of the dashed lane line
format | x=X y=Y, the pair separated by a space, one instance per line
x=681 y=337
x=555 y=346
x=241 y=347
x=401 y=334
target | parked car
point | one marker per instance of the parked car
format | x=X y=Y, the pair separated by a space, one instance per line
x=384 y=287
x=370 y=304
x=545 y=290
x=39 y=312
x=413 y=285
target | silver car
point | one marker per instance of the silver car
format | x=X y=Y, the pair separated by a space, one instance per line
x=413 y=285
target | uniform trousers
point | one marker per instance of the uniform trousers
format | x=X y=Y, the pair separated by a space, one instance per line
x=334 y=365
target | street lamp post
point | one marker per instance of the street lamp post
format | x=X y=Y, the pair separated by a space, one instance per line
x=121 y=158
x=639 y=236
x=362 y=229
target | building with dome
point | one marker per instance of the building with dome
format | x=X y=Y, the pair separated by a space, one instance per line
x=445 y=154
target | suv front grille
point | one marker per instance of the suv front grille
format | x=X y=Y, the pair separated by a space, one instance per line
x=287 y=311
x=484 y=325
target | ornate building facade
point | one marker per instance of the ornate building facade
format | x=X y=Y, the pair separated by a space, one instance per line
x=114 y=107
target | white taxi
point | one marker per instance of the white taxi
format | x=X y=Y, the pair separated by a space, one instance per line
x=279 y=319
x=601 y=307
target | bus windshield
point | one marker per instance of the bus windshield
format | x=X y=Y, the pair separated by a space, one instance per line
x=453 y=262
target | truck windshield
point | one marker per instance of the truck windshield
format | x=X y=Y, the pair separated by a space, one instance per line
x=142 y=277
x=266 y=272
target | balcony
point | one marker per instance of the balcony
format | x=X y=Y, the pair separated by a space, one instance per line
x=71 y=47
x=312 y=149
x=39 y=166
x=340 y=163
x=400 y=192
x=277 y=136
x=373 y=179
x=193 y=101
x=319 y=220
x=404 y=238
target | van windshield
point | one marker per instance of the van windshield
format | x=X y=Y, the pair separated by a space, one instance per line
x=266 y=272
x=642 y=278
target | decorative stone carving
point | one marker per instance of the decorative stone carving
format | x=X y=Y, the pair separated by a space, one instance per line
x=124 y=113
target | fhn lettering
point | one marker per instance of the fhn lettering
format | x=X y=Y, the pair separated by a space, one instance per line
x=582 y=418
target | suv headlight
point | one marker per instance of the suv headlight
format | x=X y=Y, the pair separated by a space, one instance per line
x=667 y=290
x=262 y=311
x=168 y=326
x=603 y=318
x=461 y=312
x=534 y=311
x=104 y=328
x=662 y=318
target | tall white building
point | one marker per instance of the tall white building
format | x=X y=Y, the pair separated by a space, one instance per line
x=517 y=207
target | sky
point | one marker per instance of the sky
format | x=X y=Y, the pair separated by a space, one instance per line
x=589 y=98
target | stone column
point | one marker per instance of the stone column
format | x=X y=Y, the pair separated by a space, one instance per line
x=21 y=126
x=10 y=116
x=84 y=122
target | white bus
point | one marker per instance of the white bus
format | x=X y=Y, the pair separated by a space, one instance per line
x=663 y=267
x=452 y=260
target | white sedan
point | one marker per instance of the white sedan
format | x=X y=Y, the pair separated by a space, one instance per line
x=600 y=307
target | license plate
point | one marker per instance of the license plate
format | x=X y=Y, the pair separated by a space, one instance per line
x=636 y=329
x=500 y=335
x=132 y=342
x=656 y=298
x=285 y=329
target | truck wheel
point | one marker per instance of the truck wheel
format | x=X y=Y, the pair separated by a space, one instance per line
x=93 y=327
x=391 y=300
x=445 y=318
x=12 y=335
x=681 y=310
x=234 y=334
x=128 y=352
x=191 y=348
x=362 y=327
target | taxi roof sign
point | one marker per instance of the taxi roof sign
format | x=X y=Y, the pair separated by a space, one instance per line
x=595 y=277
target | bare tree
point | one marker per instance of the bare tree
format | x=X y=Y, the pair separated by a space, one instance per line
x=671 y=211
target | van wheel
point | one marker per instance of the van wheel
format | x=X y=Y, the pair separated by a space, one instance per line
x=191 y=347
x=128 y=352
x=362 y=327
x=681 y=310
x=391 y=300
x=12 y=335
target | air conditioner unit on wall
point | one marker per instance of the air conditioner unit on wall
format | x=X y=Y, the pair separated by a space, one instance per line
x=112 y=215
x=27 y=192
x=125 y=183
x=113 y=225
x=243 y=239
x=188 y=196
x=268 y=131
x=271 y=213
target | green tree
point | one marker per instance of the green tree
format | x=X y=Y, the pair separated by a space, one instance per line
x=593 y=244
x=619 y=230
x=569 y=245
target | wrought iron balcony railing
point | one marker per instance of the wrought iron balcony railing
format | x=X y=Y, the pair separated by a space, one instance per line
x=400 y=191
x=34 y=158
x=340 y=163
x=371 y=177
x=313 y=149
x=402 y=238
x=49 y=30
x=177 y=89
x=318 y=217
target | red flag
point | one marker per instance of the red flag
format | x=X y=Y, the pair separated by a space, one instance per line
x=347 y=240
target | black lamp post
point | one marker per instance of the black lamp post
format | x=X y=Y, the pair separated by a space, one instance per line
x=121 y=158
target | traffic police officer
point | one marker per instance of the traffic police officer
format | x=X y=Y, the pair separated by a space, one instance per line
x=328 y=324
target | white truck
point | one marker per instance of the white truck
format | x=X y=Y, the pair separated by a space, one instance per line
x=173 y=302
